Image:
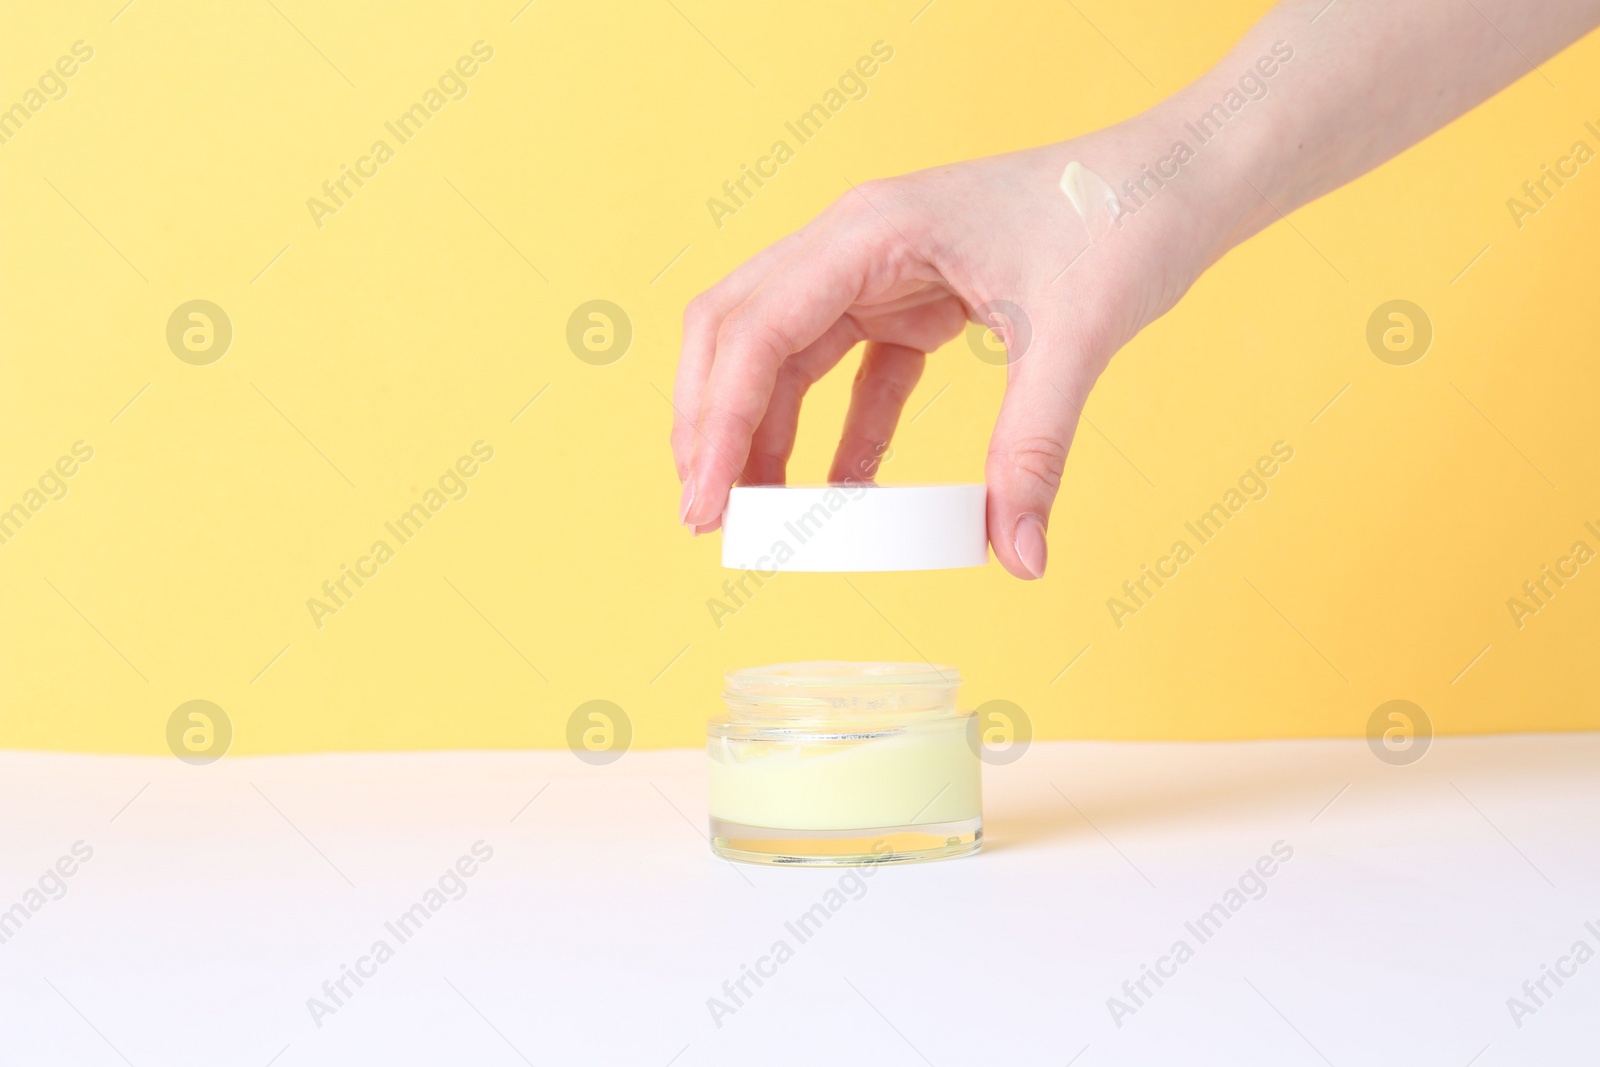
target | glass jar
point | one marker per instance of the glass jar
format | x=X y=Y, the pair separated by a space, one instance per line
x=836 y=763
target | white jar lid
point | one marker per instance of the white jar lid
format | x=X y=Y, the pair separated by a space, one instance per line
x=855 y=527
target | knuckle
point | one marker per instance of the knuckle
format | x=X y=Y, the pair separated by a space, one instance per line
x=753 y=333
x=866 y=202
x=871 y=192
x=766 y=466
x=794 y=374
x=728 y=424
x=849 y=207
x=882 y=390
x=1040 y=460
x=869 y=447
x=701 y=313
x=890 y=377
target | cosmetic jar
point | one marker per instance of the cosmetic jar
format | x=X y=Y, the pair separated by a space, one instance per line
x=836 y=764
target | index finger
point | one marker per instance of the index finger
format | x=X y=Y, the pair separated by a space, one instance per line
x=701 y=321
x=791 y=308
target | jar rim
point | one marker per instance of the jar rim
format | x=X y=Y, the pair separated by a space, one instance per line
x=776 y=678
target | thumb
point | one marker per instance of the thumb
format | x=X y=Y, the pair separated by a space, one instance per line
x=1045 y=391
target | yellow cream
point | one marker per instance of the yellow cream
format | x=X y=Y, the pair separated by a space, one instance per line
x=1092 y=198
x=903 y=778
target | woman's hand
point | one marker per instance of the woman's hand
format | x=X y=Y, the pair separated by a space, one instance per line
x=903 y=264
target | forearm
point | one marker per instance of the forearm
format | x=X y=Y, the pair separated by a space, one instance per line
x=1365 y=80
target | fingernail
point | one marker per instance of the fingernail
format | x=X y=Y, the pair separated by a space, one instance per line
x=1030 y=544
x=688 y=500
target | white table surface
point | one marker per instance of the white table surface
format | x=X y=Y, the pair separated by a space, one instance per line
x=219 y=899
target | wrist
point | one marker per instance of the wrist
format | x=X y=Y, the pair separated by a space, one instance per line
x=1180 y=196
x=1217 y=147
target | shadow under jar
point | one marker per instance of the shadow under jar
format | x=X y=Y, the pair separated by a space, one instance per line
x=840 y=764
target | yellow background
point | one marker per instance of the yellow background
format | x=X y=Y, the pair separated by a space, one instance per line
x=415 y=322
